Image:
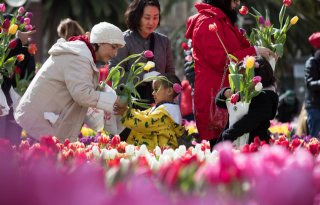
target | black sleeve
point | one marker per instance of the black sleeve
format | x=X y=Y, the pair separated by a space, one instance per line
x=259 y=111
x=312 y=74
x=221 y=99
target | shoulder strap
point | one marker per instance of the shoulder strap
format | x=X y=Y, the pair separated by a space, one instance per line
x=151 y=45
x=224 y=74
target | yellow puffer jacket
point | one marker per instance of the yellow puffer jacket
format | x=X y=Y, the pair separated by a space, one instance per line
x=155 y=126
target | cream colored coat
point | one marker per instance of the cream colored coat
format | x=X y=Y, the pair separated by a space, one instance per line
x=64 y=87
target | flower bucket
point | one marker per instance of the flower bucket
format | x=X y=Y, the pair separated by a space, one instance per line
x=236 y=112
x=94 y=119
x=272 y=61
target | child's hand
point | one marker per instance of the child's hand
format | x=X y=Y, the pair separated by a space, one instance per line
x=120 y=108
x=227 y=93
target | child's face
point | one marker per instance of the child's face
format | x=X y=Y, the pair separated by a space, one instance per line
x=161 y=93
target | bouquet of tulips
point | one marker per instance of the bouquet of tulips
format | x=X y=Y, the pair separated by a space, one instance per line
x=244 y=85
x=10 y=25
x=265 y=34
x=127 y=90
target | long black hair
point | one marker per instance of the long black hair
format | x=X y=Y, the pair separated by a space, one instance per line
x=225 y=6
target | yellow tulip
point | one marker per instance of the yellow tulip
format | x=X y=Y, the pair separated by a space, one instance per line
x=294 y=20
x=149 y=65
x=249 y=62
x=24 y=134
x=13 y=29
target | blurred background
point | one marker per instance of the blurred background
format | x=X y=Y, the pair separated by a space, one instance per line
x=290 y=68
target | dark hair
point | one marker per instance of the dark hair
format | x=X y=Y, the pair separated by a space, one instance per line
x=170 y=80
x=134 y=12
x=264 y=70
x=225 y=6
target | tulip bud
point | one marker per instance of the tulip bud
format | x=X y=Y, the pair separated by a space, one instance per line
x=26 y=21
x=21 y=10
x=13 y=29
x=3 y=8
x=234 y=98
x=294 y=20
x=258 y=87
x=149 y=65
x=13 y=43
x=256 y=80
x=148 y=54
x=249 y=62
x=32 y=49
x=6 y=24
x=213 y=27
x=287 y=3
x=20 y=57
x=243 y=10
x=184 y=46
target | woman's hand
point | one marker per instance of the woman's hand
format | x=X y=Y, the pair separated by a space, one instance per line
x=265 y=52
x=24 y=36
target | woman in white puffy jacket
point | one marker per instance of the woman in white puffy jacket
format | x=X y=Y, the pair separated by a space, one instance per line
x=57 y=100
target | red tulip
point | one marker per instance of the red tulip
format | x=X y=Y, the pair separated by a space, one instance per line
x=234 y=98
x=115 y=140
x=184 y=46
x=32 y=48
x=287 y=3
x=243 y=10
x=213 y=27
x=17 y=70
x=20 y=57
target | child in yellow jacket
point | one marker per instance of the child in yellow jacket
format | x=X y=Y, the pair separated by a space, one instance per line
x=160 y=124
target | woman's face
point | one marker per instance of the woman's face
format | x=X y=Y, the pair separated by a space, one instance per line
x=235 y=4
x=106 y=51
x=149 y=20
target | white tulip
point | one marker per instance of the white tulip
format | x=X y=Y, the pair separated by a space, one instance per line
x=124 y=163
x=113 y=153
x=95 y=151
x=129 y=150
x=181 y=150
x=104 y=154
x=258 y=87
x=143 y=150
x=157 y=151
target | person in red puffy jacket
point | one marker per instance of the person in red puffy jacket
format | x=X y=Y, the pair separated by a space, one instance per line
x=210 y=57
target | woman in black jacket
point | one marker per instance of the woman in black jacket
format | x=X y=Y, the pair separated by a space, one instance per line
x=262 y=108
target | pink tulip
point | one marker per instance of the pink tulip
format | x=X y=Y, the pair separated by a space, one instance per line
x=3 y=8
x=256 y=80
x=148 y=54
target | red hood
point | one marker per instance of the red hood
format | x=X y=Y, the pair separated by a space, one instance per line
x=206 y=10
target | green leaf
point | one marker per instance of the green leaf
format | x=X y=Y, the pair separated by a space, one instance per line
x=256 y=12
x=279 y=49
x=9 y=64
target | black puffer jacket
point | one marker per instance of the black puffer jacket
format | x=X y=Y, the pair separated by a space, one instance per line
x=262 y=109
x=312 y=80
